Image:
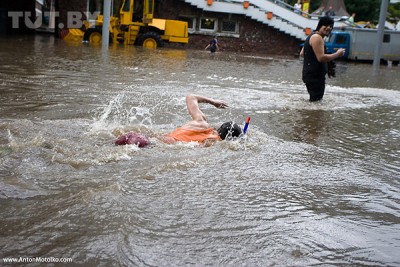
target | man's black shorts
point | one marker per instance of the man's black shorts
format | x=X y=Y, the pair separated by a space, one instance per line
x=316 y=90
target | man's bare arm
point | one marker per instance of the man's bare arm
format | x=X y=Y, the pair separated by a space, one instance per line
x=192 y=103
x=317 y=44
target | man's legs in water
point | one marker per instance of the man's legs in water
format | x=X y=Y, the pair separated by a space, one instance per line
x=316 y=90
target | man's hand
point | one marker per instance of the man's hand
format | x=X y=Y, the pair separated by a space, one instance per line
x=341 y=52
x=192 y=103
x=220 y=104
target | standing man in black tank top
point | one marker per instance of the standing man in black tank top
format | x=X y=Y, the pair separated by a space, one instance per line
x=315 y=59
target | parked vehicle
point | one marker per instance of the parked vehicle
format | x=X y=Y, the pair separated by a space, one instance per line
x=360 y=44
x=135 y=25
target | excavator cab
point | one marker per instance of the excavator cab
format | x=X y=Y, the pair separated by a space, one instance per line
x=148 y=11
x=136 y=11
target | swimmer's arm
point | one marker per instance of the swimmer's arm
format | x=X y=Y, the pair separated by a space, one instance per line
x=209 y=142
x=192 y=103
x=167 y=139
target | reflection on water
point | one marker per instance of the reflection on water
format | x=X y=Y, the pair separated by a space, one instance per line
x=310 y=125
x=313 y=183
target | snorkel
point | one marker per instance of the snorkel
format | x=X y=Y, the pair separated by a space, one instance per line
x=246 y=125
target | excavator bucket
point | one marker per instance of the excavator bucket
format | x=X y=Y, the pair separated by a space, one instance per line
x=72 y=35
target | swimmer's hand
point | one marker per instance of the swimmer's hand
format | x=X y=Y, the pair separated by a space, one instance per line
x=220 y=104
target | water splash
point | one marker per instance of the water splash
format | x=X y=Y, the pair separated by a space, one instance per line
x=120 y=116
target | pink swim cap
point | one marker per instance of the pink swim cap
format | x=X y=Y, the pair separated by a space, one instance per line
x=132 y=139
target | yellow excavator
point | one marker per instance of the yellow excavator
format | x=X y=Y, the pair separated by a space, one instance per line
x=135 y=25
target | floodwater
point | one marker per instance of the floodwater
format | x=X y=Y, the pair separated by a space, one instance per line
x=312 y=184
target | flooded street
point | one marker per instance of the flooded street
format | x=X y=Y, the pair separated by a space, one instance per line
x=312 y=184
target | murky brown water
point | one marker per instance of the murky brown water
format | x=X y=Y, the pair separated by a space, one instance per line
x=312 y=185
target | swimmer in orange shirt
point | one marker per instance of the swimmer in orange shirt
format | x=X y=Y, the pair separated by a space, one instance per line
x=196 y=130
